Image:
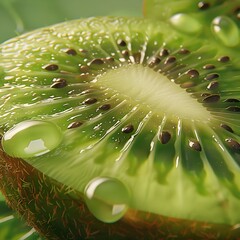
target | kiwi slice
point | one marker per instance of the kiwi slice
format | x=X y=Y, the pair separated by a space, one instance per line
x=121 y=127
x=199 y=18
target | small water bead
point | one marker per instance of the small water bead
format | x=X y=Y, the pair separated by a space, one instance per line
x=31 y=138
x=107 y=199
x=186 y=23
x=226 y=31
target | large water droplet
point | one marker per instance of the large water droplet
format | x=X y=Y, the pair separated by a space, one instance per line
x=226 y=30
x=185 y=23
x=31 y=138
x=107 y=199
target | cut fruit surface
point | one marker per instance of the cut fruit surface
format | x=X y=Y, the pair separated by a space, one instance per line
x=216 y=19
x=154 y=112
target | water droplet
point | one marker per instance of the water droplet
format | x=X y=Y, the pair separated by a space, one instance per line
x=226 y=30
x=31 y=138
x=107 y=199
x=185 y=23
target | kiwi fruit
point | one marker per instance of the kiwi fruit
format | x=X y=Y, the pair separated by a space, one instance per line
x=122 y=128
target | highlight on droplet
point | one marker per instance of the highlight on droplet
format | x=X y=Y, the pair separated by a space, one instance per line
x=107 y=199
x=31 y=138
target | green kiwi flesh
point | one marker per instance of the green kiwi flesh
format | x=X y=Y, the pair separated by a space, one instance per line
x=153 y=114
x=217 y=19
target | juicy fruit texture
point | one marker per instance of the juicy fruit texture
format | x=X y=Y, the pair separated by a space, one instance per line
x=155 y=113
x=211 y=18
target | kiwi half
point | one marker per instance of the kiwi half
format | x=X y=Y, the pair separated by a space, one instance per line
x=121 y=128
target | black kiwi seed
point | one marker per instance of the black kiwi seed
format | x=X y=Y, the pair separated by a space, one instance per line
x=74 y=125
x=164 y=52
x=224 y=59
x=193 y=73
x=212 y=85
x=231 y=100
x=105 y=107
x=211 y=98
x=51 y=67
x=90 y=101
x=195 y=145
x=183 y=51
x=84 y=69
x=121 y=43
x=203 y=5
x=211 y=76
x=96 y=61
x=71 y=52
x=208 y=67
x=170 y=60
x=187 y=85
x=226 y=127
x=164 y=137
x=154 y=61
x=233 y=144
x=205 y=94
x=137 y=57
x=59 y=83
x=128 y=129
x=84 y=51
x=109 y=59
x=125 y=53
x=233 y=109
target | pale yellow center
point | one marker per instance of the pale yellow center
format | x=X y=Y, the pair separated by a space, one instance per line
x=144 y=85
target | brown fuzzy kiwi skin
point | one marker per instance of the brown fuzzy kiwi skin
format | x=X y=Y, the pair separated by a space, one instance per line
x=58 y=212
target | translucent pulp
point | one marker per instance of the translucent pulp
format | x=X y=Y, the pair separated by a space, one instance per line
x=107 y=199
x=31 y=138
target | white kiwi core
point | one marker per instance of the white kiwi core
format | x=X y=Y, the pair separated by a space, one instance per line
x=142 y=84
